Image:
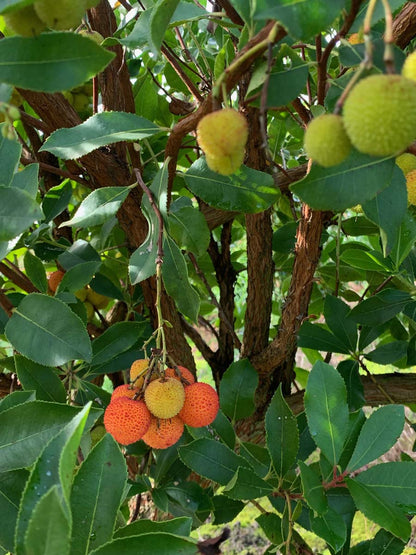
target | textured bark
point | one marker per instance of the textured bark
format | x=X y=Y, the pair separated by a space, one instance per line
x=404 y=25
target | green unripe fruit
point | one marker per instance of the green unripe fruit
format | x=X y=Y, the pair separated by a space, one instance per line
x=61 y=15
x=326 y=141
x=380 y=114
x=222 y=135
x=409 y=67
x=92 y=35
x=90 y=310
x=25 y=22
x=406 y=162
x=80 y=102
x=91 y=3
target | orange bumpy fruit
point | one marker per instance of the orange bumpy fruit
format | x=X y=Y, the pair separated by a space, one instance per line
x=127 y=420
x=222 y=135
x=411 y=187
x=164 y=397
x=185 y=373
x=163 y=433
x=138 y=370
x=54 y=279
x=201 y=405
x=124 y=390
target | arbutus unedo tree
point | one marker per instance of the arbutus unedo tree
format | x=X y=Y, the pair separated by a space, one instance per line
x=221 y=191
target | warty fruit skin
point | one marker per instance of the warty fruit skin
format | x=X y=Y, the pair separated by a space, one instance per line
x=98 y=300
x=138 y=368
x=406 y=162
x=61 y=15
x=222 y=133
x=54 y=279
x=165 y=397
x=326 y=140
x=127 y=420
x=411 y=187
x=225 y=165
x=124 y=390
x=201 y=405
x=163 y=433
x=380 y=114
x=409 y=67
x=185 y=374
x=25 y=22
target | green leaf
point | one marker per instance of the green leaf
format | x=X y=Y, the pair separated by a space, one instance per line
x=16 y=398
x=303 y=19
x=48 y=531
x=358 y=225
x=94 y=504
x=79 y=252
x=189 y=228
x=379 y=433
x=379 y=509
x=314 y=336
x=27 y=179
x=388 y=353
x=405 y=240
x=271 y=525
x=142 y=264
x=350 y=371
x=18 y=211
x=380 y=308
x=225 y=509
x=312 y=488
x=35 y=271
x=160 y=17
x=56 y=199
x=180 y=526
x=237 y=388
x=395 y=481
x=353 y=182
x=247 y=190
x=385 y=543
x=51 y=62
x=11 y=490
x=102 y=129
x=42 y=379
x=115 y=340
x=282 y=434
x=327 y=410
x=175 y=280
x=223 y=429
x=366 y=260
x=245 y=484
x=54 y=469
x=331 y=527
x=27 y=428
x=257 y=456
x=335 y=312
x=161 y=543
x=211 y=459
x=46 y=330
x=10 y=151
x=98 y=207
x=78 y=276
x=388 y=209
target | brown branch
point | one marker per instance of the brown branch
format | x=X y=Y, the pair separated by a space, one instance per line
x=404 y=25
x=6 y=304
x=13 y=273
x=231 y=12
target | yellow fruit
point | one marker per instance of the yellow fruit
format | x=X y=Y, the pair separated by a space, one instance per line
x=138 y=371
x=61 y=15
x=225 y=165
x=222 y=135
x=380 y=114
x=99 y=301
x=409 y=67
x=25 y=22
x=90 y=310
x=81 y=294
x=164 y=397
x=326 y=141
x=411 y=187
x=80 y=102
x=406 y=162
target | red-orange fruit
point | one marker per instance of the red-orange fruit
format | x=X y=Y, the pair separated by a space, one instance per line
x=127 y=420
x=124 y=391
x=185 y=373
x=54 y=279
x=163 y=433
x=201 y=405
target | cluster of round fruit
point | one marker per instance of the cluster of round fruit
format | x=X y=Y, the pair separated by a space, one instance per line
x=378 y=118
x=156 y=410
x=222 y=135
x=91 y=299
x=47 y=14
x=80 y=99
